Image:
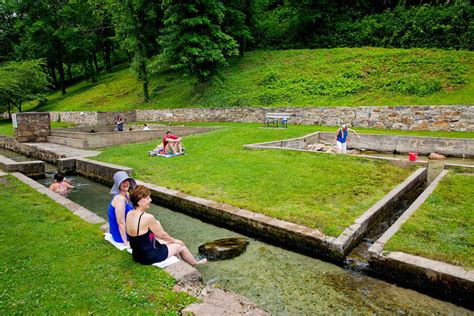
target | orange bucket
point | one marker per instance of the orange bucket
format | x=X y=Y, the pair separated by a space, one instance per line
x=412 y=156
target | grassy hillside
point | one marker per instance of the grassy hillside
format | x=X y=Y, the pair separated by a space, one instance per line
x=320 y=77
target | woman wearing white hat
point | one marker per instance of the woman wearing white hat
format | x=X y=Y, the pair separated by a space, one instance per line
x=120 y=206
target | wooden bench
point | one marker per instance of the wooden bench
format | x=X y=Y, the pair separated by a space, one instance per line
x=273 y=119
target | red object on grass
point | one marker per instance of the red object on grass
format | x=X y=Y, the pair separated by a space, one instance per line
x=412 y=156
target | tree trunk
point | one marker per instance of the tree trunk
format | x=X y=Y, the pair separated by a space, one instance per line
x=108 y=63
x=9 y=110
x=91 y=67
x=86 y=70
x=129 y=57
x=60 y=60
x=144 y=77
x=69 y=73
x=52 y=74
x=94 y=56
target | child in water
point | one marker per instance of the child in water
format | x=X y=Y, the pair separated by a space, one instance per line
x=59 y=185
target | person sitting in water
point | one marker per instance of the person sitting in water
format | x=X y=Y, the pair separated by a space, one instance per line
x=119 y=206
x=60 y=185
x=172 y=144
x=149 y=242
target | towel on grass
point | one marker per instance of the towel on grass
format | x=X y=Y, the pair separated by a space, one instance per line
x=120 y=246
x=161 y=153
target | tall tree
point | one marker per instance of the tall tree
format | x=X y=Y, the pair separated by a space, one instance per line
x=8 y=33
x=20 y=82
x=137 y=24
x=238 y=21
x=41 y=24
x=193 y=40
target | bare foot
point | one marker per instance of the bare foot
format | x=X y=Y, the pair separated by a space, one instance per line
x=202 y=261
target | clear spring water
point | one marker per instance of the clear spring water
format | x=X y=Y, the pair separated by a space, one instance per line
x=280 y=281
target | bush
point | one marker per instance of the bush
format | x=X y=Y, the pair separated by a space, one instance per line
x=414 y=85
x=441 y=26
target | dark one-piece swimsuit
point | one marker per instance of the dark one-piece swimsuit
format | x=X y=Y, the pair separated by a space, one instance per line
x=146 y=249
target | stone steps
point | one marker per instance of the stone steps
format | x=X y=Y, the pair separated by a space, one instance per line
x=67 y=141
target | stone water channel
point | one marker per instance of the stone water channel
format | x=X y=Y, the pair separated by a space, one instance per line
x=278 y=280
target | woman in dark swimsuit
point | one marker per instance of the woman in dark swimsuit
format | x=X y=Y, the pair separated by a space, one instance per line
x=142 y=228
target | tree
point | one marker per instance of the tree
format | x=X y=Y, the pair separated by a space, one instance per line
x=137 y=24
x=193 y=40
x=20 y=82
x=238 y=20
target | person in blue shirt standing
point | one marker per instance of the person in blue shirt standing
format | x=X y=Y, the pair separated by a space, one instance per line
x=342 y=138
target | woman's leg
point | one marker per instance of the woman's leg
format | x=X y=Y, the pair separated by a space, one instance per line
x=182 y=251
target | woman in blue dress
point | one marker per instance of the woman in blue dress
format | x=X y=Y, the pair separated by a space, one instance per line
x=119 y=206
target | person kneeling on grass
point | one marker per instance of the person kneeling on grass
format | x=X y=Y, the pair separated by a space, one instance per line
x=172 y=144
x=145 y=234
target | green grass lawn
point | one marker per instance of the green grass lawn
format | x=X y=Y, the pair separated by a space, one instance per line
x=443 y=227
x=55 y=263
x=317 y=77
x=327 y=192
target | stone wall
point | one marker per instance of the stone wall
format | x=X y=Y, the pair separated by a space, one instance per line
x=437 y=118
x=32 y=127
x=92 y=118
x=29 y=150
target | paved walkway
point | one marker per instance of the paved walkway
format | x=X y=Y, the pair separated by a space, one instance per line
x=68 y=152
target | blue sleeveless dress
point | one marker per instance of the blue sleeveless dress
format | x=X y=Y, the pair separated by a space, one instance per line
x=113 y=225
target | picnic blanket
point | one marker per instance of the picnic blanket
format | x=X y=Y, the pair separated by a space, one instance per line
x=120 y=246
x=161 y=153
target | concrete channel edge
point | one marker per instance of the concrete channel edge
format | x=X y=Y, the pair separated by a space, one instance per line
x=188 y=278
x=434 y=277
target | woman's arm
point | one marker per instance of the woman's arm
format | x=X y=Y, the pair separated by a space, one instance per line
x=157 y=229
x=119 y=204
x=353 y=131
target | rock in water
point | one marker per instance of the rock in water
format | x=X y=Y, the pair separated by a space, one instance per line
x=435 y=156
x=222 y=249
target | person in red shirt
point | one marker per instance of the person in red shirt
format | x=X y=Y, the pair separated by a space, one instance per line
x=172 y=144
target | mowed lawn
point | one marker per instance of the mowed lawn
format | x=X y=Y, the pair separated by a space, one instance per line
x=443 y=227
x=327 y=192
x=55 y=263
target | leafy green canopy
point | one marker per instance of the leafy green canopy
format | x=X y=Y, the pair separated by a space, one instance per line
x=21 y=81
x=193 y=40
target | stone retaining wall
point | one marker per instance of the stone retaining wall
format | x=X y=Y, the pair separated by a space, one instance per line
x=30 y=168
x=31 y=127
x=435 y=277
x=92 y=118
x=296 y=237
x=85 y=140
x=29 y=150
x=435 y=118
x=456 y=147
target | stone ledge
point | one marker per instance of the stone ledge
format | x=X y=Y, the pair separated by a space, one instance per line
x=30 y=168
x=223 y=302
x=351 y=235
x=457 y=147
x=440 y=279
x=78 y=210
